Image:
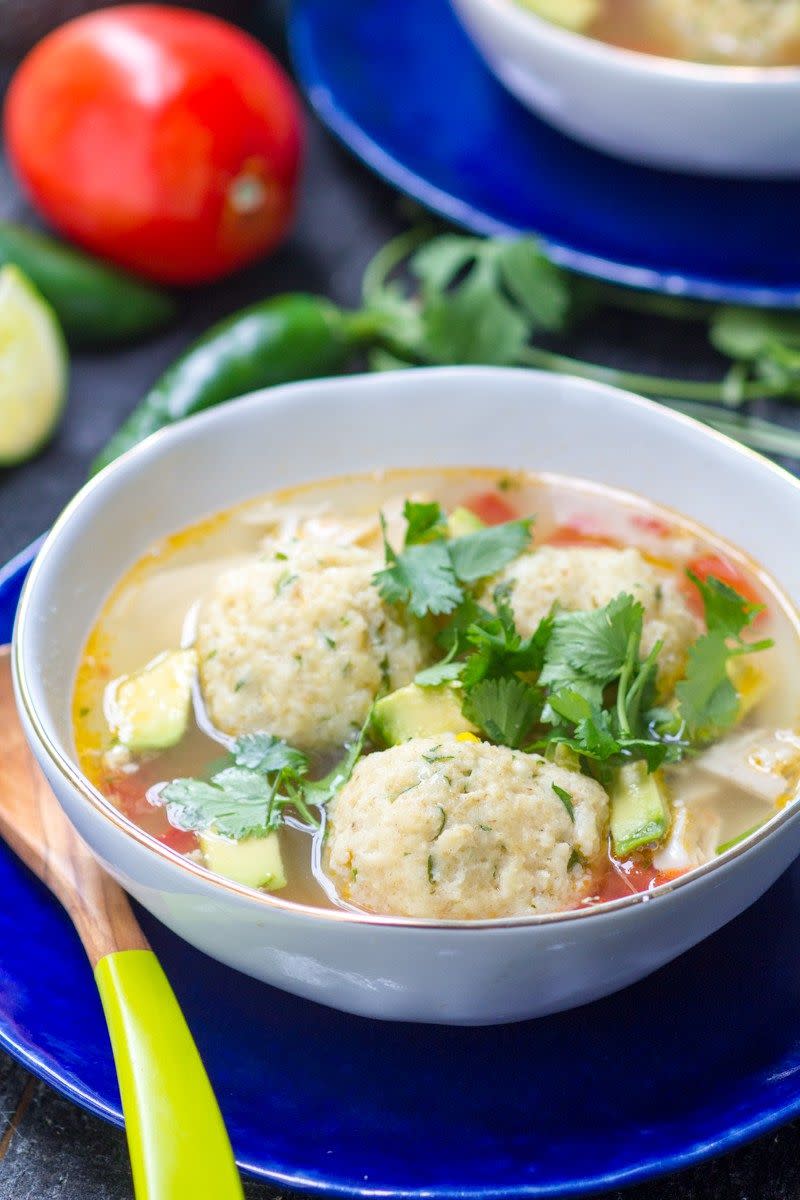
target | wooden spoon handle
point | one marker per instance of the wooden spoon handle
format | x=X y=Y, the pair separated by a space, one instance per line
x=178 y=1144
x=37 y=830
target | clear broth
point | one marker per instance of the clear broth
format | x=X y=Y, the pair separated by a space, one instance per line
x=148 y=610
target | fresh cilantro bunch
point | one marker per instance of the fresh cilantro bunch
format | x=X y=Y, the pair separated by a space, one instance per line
x=581 y=679
x=708 y=701
x=430 y=573
x=250 y=794
x=457 y=299
x=590 y=656
x=551 y=687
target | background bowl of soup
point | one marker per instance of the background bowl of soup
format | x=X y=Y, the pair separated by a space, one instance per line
x=732 y=115
x=387 y=966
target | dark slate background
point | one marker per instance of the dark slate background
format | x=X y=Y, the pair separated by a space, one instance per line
x=49 y=1149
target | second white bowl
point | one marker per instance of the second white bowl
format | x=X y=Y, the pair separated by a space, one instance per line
x=656 y=111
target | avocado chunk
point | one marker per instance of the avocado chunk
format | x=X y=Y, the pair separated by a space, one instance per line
x=255 y=862
x=149 y=710
x=640 y=813
x=461 y=522
x=563 y=756
x=751 y=683
x=572 y=14
x=418 y=712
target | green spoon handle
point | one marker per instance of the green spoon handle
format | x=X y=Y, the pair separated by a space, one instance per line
x=178 y=1144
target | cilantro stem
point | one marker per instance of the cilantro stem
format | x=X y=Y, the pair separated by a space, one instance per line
x=653 y=304
x=392 y=320
x=646 y=671
x=766 y=436
x=388 y=259
x=700 y=391
x=296 y=797
x=624 y=682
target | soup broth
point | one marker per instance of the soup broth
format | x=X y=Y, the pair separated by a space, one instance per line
x=304 y=677
x=734 y=32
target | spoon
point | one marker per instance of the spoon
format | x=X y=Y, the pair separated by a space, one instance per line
x=177 y=1140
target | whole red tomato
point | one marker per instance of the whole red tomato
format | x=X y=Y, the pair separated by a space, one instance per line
x=163 y=139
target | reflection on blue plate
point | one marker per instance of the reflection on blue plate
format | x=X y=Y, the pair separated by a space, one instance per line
x=401 y=84
x=698 y=1058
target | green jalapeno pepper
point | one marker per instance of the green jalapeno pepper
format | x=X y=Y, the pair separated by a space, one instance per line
x=279 y=340
x=96 y=304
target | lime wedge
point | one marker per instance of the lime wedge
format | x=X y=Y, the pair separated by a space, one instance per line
x=33 y=368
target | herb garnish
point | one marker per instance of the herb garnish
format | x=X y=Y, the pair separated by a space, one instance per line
x=708 y=702
x=565 y=799
x=249 y=792
x=456 y=299
x=428 y=574
x=581 y=679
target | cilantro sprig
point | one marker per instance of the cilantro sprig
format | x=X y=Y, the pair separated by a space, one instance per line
x=250 y=793
x=458 y=299
x=708 y=702
x=579 y=679
x=429 y=575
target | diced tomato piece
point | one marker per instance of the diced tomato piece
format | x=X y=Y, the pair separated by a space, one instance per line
x=719 y=567
x=491 y=508
x=626 y=879
x=651 y=524
x=180 y=840
x=129 y=795
x=581 y=530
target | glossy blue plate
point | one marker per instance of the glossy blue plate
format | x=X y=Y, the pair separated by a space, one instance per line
x=402 y=86
x=693 y=1061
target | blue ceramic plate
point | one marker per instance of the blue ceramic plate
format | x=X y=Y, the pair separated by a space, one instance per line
x=693 y=1061
x=402 y=86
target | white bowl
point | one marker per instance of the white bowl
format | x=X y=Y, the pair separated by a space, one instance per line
x=469 y=973
x=658 y=111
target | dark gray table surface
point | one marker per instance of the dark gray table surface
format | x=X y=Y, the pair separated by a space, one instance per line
x=49 y=1149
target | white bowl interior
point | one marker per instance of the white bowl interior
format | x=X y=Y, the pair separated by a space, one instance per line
x=299 y=433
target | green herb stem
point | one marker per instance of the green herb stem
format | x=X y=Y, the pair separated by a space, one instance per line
x=766 y=436
x=700 y=391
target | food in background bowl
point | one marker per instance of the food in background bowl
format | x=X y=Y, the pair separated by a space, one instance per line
x=736 y=32
x=444 y=694
x=706 y=86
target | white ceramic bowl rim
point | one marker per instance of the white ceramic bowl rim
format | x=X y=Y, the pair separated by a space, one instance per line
x=529 y=23
x=92 y=796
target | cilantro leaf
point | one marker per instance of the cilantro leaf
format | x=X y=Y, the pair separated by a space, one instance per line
x=425 y=521
x=709 y=703
x=445 y=671
x=453 y=637
x=481 y=299
x=747 y=334
x=536 y=284
x=265 y=753
x=499 y=649
x=592 y=735
x=235 y=803
x=322 y=791
x=485 y=552
x=505 y=709
x=421 y=578
x=473 y=323
x=726 y=611
x=440 y=260
x=565 y=799
x=593 y=645
x=427 y=576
